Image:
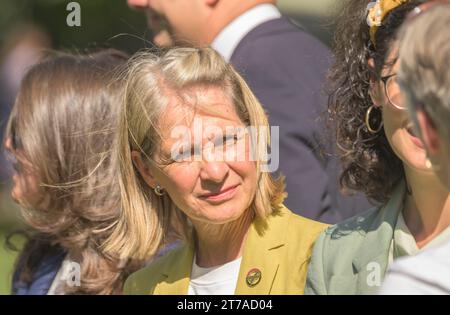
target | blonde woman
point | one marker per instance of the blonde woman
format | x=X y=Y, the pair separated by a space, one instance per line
x=180 y=110
x=60 y=134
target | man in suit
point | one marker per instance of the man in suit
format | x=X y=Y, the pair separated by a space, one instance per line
x=285 y=67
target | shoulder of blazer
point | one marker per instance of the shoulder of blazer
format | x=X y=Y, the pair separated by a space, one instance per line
x=285 y=227
x=276 y=27
x=368 y=225
x=306 y=227
x=303 y=233
x=333 y=254
x=344 y=250
x=281 y=38
x=295 y=232
x=145 y=280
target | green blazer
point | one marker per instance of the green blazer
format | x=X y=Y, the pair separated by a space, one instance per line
x=352 y=257
x=279 y=247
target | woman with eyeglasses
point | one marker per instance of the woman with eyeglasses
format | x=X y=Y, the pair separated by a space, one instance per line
x=382 y=157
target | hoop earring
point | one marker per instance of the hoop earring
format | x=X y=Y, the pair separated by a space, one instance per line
x=158 y=190
x=368 y=119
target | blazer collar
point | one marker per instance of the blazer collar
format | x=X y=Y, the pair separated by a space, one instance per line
x=176 y=276
x=377 y=242
x=264 y=242
x=263 y=251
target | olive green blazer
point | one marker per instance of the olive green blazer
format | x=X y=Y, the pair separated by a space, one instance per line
x=279 y=247
x=351 y=257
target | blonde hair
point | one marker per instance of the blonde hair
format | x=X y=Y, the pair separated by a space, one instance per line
x=62 y=125
x=146 y=218
x=425 y=56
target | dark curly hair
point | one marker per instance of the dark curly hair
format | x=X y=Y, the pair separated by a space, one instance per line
x=369 y=163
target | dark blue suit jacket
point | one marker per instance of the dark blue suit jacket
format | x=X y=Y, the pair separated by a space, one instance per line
x=286 y=68
x=42 y=278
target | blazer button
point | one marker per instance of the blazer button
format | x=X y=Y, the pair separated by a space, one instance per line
x=253 y=277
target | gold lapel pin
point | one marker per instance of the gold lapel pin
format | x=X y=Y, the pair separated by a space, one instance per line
x=253 y=277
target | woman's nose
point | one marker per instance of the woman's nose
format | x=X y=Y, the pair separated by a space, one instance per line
x=215 y=171
x=8 y=144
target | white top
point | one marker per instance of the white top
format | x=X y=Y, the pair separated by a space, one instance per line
x=229 y=38
x=219 y=280
x=68 y=275
x=426 y=273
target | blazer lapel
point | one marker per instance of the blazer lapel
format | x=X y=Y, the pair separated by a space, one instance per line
x=261 y=258
x=176 y=276
x=263 y=250
x=372 y=258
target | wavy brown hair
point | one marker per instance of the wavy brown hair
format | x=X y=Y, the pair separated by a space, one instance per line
x=369 y=163
x=63 y=127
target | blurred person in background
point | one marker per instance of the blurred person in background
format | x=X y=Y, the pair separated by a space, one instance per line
x=23 y=47
x=425 y=79
x=383 y=157
x=60 y=135
x=285 y=67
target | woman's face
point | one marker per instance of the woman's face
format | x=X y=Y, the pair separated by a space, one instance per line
x=397 y=125
x=196 y=169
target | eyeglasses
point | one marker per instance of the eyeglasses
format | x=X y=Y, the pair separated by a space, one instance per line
x=392 y=90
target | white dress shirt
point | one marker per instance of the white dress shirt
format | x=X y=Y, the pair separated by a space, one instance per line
x=229 y=38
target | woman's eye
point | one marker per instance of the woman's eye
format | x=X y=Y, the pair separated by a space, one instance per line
x=233 y=139
x=185 y=154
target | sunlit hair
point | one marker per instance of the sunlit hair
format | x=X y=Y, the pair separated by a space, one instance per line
x=62 y=130
x=151 y=80
x=424 y=74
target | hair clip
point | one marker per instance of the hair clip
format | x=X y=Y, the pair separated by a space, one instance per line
x=374 y=13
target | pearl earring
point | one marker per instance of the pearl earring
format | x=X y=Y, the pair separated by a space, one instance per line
x=159 y=190
x=428 y=164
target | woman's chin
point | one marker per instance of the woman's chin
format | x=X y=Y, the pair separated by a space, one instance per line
x=409 y=149
x=414 y=138
x=220 y=219
x=219 y=215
